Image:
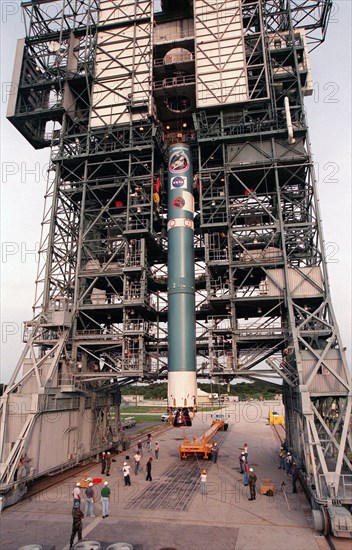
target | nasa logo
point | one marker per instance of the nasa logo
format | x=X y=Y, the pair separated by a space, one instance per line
x=178 y=182
x=178 y=202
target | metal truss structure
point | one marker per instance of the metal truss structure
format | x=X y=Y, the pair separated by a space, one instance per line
x=109 y=85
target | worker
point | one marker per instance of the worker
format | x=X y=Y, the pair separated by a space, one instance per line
x=77 y=516
x=282 y=456
x=245 y=472
x=288 y=463
x=245 y=451
x=126 y=474
x=149 y=443
x=149 y=469
x=203 y=482
x=76 y=493
x=89 y=492
x=214 y=453
x=105 y=498
x=137 y=461
x=252 y=479
x=103 y=462
x=140 y=447
x=242 y=460
x=156 y=451
x=108 y=463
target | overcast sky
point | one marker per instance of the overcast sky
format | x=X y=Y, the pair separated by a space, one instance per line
x=24 y=173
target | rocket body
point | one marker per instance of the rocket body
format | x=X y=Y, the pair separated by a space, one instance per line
x=182 y=377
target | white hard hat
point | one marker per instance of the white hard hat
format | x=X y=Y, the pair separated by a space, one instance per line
x=106 y=483
x=125 y=463
x=251 y=469
x=78 y=484
x=91 y=484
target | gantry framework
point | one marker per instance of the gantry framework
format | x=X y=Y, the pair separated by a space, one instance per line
x=109 y=85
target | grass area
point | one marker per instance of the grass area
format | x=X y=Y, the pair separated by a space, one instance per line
x=144 y=417
x=153 y=414
x=133 y=410
x=158 y=410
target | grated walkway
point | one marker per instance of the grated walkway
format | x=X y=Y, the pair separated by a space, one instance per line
x=178 y=486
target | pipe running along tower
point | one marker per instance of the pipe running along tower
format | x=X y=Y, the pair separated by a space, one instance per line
x=115 y=89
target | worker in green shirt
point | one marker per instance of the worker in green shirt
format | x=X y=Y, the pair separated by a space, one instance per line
x=105 y=497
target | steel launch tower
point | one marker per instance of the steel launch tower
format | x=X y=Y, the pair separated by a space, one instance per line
x=109 y=85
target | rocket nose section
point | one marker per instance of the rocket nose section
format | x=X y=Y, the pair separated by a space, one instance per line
x=182 y=418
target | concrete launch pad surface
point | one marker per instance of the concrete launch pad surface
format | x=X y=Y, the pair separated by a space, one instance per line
x=170 y=512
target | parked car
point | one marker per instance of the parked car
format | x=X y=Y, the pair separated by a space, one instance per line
x=128 y=422
x=165 y=416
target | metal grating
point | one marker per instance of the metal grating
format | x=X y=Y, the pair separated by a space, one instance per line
x=177 y=487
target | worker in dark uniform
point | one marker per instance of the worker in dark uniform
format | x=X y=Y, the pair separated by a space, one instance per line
x=103 y=463
x=77 y=516
x=149 y=470
x=242 y=460
x=252 y=479
x=108 y=463
x=214 y=453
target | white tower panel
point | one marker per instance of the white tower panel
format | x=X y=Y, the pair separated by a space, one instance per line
x=220 y=55
x=112 y=11
x=122 y=89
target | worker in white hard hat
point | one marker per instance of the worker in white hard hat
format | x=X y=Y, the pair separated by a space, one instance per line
x=252 y=479
x=288 y=463
x=126 y=474
x=105 y=497
x=76 y=493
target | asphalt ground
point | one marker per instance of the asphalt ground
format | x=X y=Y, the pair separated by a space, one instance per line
x=170 y=512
